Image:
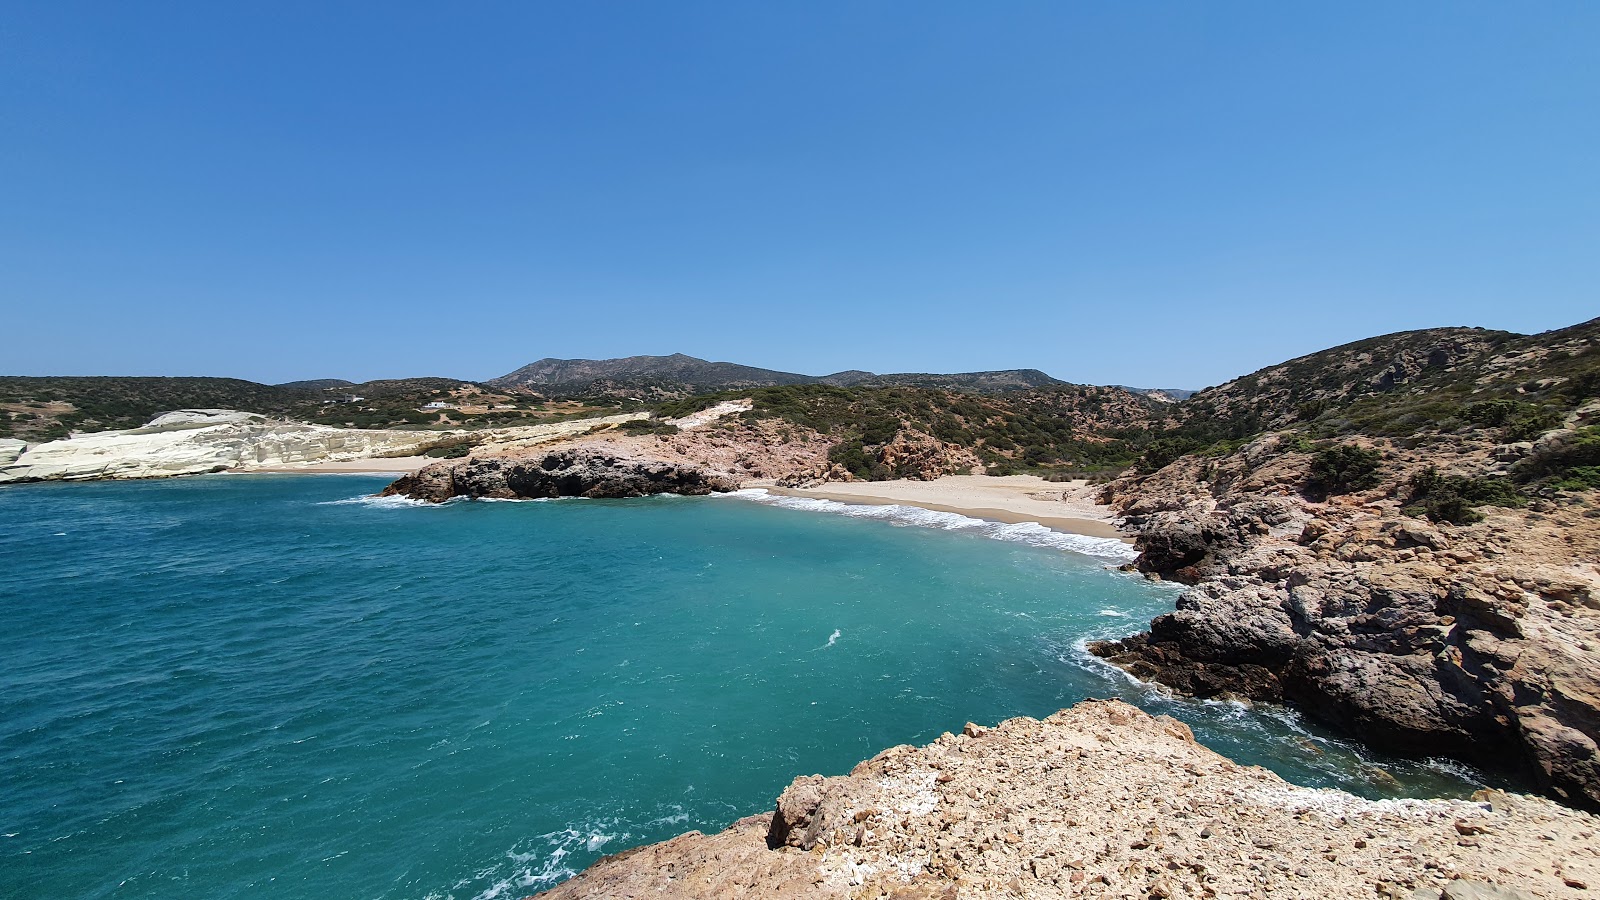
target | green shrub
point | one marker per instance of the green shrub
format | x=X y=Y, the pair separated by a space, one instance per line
x=647 y=426
x=1455 y=498
x=1343 y=469
x=1297 y=443
x=1165 y=450
x=1492 y=413
x=1579 y=478
x=1531 y=424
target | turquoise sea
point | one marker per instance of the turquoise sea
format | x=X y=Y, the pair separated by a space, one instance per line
x=267 y=687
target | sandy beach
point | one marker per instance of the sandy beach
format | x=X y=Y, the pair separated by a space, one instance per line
x=399 y=465
x=1064 y=506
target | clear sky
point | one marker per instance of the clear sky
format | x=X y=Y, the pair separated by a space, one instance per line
x=1163 y=194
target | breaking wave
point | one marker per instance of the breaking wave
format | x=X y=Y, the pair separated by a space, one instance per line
x=1030 y=533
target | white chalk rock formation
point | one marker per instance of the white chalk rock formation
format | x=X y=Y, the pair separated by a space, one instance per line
x=189 y=442
x=194 y=441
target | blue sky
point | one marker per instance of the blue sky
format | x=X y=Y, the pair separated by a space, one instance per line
x=1149 y=193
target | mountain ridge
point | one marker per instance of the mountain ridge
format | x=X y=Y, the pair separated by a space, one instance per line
x=677 y=375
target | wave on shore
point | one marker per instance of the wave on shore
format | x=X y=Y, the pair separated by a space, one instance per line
x=1030 y=533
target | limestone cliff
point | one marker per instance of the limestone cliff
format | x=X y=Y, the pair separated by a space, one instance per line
x=193 y=441
x=1103 y=800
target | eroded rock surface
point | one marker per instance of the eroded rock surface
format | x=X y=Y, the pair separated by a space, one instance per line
x=190 y=442
x=1103 y=800
x=583 y=471
x=1480 y=642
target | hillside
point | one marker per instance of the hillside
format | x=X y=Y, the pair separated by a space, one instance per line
x=46 y=408
x=1399 y=535
x=887 y=432
x=1408 y=383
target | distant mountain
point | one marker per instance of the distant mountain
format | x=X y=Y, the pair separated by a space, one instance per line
x=655 y=377
x=971 y=382
x=315 y=384
x=678 y=373
x=1168 y=395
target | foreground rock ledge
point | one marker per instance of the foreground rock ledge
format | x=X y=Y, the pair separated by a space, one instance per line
x=1103 y=800
x=576 y=472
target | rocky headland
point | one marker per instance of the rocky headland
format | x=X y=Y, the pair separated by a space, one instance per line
x=571 y=472
x=1428 y=581
x=1478 y=641
x=1103 y=800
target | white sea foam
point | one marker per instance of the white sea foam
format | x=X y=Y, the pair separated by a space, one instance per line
x=1030 y=533
x=542 y=867
x=832 y=639
x=377 y=502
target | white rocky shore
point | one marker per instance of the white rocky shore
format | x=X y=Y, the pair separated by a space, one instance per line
x=1104 y=800
x=194 y=441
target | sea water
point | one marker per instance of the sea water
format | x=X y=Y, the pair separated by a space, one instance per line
x=273 y=687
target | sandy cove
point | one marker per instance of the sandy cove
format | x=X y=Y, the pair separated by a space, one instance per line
x=1063 y=506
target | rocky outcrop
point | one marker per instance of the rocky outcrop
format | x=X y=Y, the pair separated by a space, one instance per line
x=190 y=442
x=584 y=471
x=1479 y=642
x=1103 y=800
x=922 y=457
x=195 y=441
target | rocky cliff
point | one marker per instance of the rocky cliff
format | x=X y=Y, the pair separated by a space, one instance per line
x=1103 y=800
x=573 y=472
x=190 y=442
x=1412 y=553
x=1479 y=640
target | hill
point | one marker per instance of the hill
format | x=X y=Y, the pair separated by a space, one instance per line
x=1408 y=383
x=46 y=408
x=675 y=375
x=972 y=382
x=655 y=378
x=886 y=432
x=316 y=384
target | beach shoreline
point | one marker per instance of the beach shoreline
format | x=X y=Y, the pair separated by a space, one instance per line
x=1061 y=506
x=397 y=465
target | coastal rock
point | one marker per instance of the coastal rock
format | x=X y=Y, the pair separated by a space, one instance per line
x=10 y=449
x=1102 y=800
x=194 y=441
x=584 y=471
x=1477 y=642
x=922 y=457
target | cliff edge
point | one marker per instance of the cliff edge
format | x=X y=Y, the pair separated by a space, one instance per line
x=1103 y=800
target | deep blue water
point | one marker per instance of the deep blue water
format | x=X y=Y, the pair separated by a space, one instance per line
x=233 y=686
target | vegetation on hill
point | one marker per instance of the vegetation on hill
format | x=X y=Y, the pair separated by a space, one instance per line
x=1061 y=431
x=1433 y=390
x=1413 y=385
x=1452 y=394
x=41 y=409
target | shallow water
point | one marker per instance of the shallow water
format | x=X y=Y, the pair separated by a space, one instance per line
x=228 y=686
